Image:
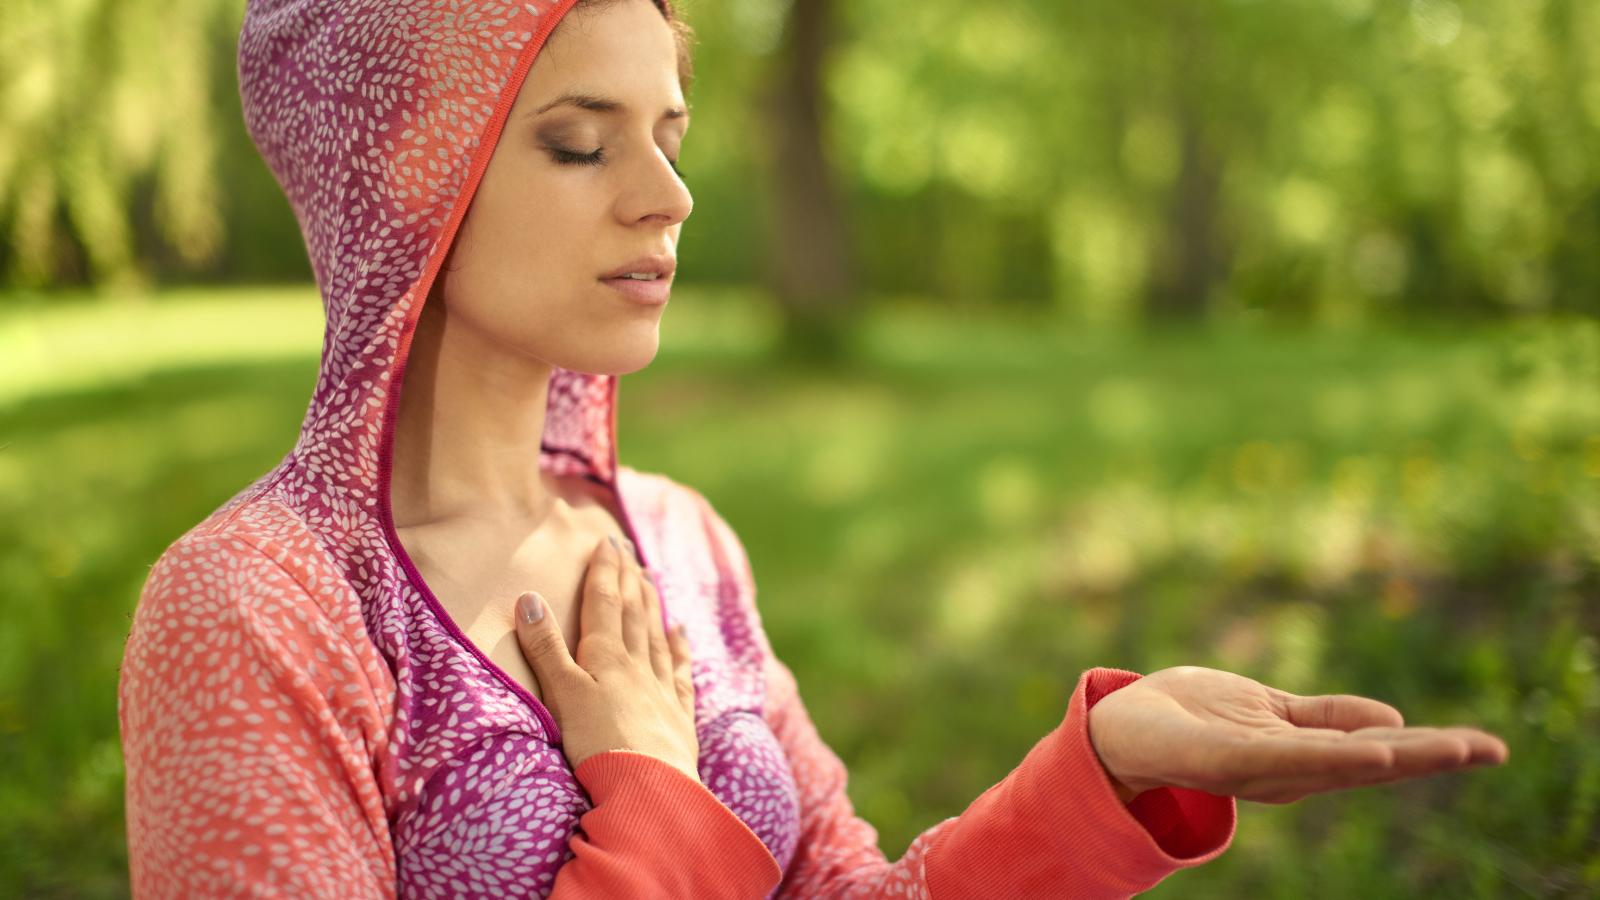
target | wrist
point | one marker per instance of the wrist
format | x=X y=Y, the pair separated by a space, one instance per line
x=1123 y=791
x=1102 y=740
x=676 y=761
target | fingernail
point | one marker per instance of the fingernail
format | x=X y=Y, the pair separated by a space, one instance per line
x=530 y=608
x=613 y=539
x=632 y=551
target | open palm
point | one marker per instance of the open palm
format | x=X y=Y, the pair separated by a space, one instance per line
x=1226 y=734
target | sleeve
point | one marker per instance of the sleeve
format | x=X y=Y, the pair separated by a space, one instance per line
x=656 y=832
x=251 y=729
x=1053 y=828
x=254 y=717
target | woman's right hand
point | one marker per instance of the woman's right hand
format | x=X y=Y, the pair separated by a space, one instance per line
x=629 y=687
x=1228 y=735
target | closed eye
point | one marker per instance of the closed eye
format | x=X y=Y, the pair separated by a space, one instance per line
x=573 y=158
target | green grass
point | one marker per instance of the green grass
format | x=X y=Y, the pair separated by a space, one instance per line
x=946 y=530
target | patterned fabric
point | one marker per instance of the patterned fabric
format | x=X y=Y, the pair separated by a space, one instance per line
x=838 y=858
x=300 y=716
x=378 y=118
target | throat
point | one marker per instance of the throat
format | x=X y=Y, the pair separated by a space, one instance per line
x=469 y=429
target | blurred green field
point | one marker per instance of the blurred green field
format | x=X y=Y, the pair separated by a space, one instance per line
x=948 y=528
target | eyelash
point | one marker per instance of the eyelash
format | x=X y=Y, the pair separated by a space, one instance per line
x=595 y=158
x=571 y=158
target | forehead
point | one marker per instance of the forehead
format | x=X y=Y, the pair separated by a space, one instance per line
x=624 y=49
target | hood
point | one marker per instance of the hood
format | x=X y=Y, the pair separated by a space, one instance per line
x=378 y=118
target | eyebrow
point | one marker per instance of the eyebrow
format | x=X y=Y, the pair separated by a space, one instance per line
x=599 y=104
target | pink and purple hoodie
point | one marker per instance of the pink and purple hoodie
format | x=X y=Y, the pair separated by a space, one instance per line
x=301 y=718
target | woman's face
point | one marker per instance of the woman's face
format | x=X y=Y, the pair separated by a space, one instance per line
x=567 y=252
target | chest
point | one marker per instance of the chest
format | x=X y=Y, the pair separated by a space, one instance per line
x=490 y=804
x=481 y=799
x=477 y=570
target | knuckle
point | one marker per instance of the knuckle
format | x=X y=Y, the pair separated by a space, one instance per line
x=542 y=643
x=603 y=569
x=606 y=647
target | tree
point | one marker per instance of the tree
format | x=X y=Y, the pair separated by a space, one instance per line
x=812 y=272
x=107 y=100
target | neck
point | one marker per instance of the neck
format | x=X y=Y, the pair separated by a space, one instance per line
x=468 y=436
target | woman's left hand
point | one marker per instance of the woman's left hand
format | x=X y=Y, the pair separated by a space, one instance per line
x=1228 y=735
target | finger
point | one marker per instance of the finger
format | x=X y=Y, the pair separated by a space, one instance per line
x=1290 y=789
x=539 y=636
x=1291 y=766
x=635 y=628
x=1342 y=712
x=660 y=652
x=1458 y=746
x=600 y=621
x=1487 y=749
x=1483 y=748
x=1297 y=755
x=1424 y=751
x=682 y=668
x=1280 y=770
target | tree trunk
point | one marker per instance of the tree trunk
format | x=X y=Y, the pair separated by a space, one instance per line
x=1194 y=258
x=812 y=273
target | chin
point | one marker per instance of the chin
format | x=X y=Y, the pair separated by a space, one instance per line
x=623 y=356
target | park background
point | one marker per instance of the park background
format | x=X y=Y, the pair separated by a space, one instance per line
x=1013 y=338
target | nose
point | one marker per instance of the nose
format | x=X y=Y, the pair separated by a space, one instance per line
x=655 y=195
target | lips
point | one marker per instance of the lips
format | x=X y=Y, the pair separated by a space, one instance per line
x=661 y=266
x=646 y=280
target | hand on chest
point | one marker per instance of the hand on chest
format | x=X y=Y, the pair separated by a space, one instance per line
x=477 y=567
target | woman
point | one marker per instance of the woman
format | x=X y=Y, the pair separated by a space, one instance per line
x=421 y=657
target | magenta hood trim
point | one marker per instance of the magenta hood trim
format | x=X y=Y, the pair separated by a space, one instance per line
x=379 y=149
x=378 y=118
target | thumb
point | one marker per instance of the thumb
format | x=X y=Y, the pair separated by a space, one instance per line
x=542 y=644
x=1342 y=712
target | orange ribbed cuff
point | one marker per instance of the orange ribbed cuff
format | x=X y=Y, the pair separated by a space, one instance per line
x=656 y=832
x=1055 y=827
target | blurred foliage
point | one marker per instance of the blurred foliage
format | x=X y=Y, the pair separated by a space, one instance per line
x=948 y=529
x=92 y=489
x=1333 y=161
x=123 y=154
x=1324 y=158
x=99 y=96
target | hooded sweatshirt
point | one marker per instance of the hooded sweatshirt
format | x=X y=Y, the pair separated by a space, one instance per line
x=300 y=716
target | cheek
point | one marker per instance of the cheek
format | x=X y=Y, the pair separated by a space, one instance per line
x=527 y=244
x=525 y=277
x=533 y=233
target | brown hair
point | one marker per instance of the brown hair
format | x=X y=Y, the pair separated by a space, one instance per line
x=682 y=34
